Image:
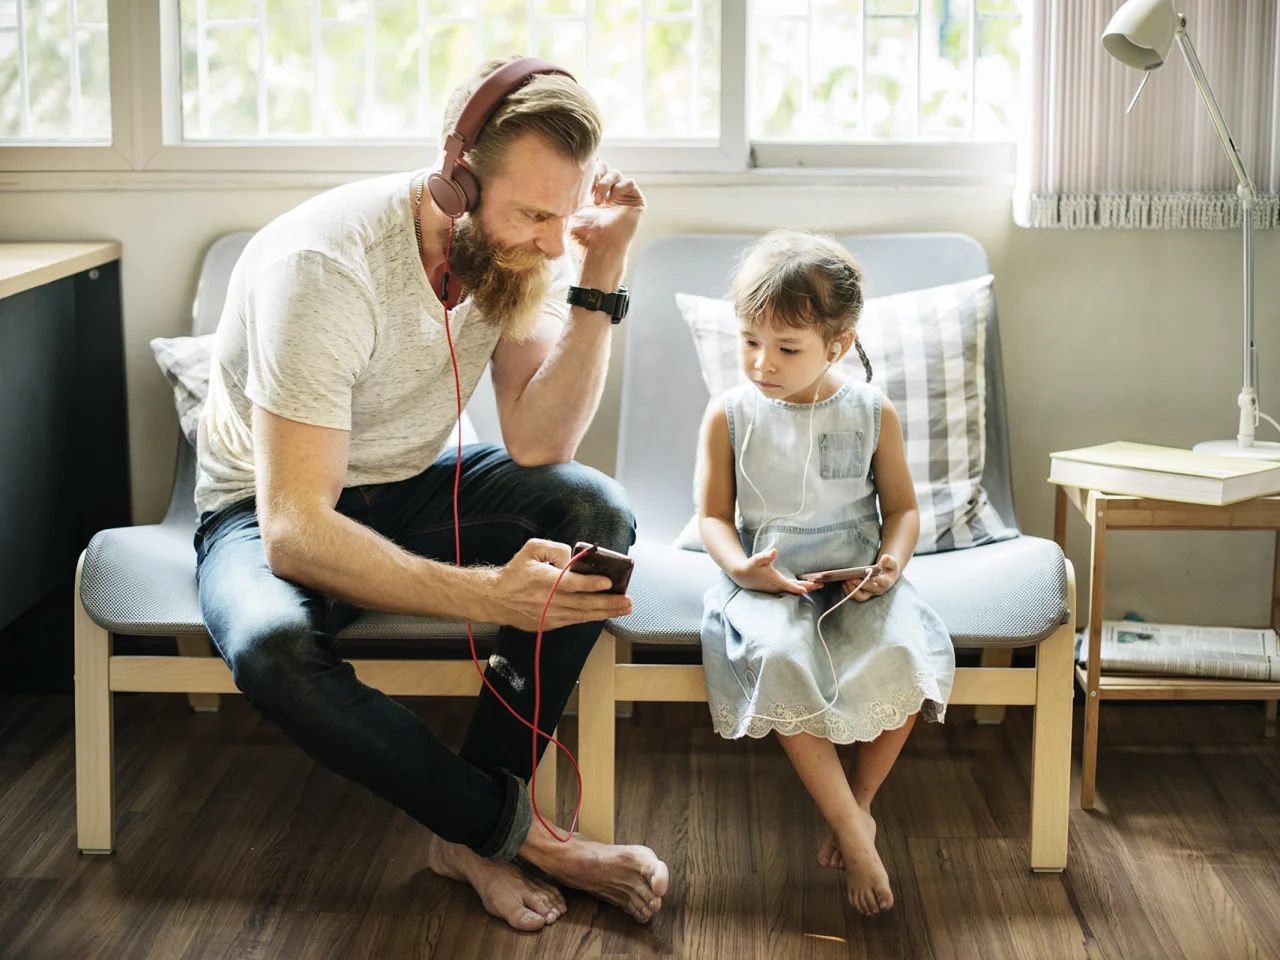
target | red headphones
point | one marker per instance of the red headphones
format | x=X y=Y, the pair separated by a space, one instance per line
x=455 y=188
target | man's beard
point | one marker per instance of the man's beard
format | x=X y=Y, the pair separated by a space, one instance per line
x=508 y=285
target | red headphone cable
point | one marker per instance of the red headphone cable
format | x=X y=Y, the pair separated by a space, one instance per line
x=537 y=649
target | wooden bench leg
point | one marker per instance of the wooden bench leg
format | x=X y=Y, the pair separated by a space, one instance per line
x=545 y=795
x=596 y=739
x=989 y=713
x=95 y=760
x=622 y=648
x=199 y=646
x=1051 y=747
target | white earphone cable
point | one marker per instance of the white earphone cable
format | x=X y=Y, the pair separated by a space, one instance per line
x=804 y=483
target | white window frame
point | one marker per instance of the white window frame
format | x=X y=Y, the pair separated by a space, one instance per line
x=146 y=124
x=117 y=156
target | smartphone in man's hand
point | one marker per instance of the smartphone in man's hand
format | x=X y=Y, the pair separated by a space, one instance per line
x=600 y=562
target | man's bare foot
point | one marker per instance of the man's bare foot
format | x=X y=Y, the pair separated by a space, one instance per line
x=505 y=890
x=630 y=877
x=829 y=854
x=866 y=883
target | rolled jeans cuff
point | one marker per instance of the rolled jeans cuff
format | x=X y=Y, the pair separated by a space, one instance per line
x=513 y=826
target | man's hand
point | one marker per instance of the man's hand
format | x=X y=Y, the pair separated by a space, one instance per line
x=606 y=225
x=524 y=584
x=759 y=573
x=880 y=583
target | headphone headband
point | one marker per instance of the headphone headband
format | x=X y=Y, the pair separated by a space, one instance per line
x=454 y=188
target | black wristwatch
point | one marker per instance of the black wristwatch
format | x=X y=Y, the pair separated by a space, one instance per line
x=614 y=304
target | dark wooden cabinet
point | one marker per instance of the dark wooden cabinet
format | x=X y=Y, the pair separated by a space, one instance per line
x=64 y=454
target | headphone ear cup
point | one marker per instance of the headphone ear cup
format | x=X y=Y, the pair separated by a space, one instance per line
x=448 y=195
x=466 y=180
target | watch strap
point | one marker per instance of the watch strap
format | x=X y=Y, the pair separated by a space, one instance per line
x=589 y=298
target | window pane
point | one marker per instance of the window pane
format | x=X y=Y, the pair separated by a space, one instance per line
x=807 y=78
x=233 y=74
x=891 y=78
x=396 y=98
x=996 y=79
x=54 y=80
x=669 y=69
x=351 y=69
x=563 y=42
x=10 y=87
x=946 y=70
x=87 y=11
x=781 y=52
x=867 y=70
x=95 y=85
x=890 y=7
x=288 y=70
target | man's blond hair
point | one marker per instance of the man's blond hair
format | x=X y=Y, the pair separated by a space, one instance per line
x=556 y=108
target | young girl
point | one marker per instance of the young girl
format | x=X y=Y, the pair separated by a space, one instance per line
x=806 y=457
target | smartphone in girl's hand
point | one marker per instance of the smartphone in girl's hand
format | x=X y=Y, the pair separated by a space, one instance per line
x=843 y=574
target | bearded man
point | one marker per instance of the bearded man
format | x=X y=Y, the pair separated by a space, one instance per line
x=324 y=486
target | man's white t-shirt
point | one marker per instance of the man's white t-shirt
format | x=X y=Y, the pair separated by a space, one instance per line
x=330 y=321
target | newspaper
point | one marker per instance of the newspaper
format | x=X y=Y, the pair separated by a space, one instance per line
x=1130 y=646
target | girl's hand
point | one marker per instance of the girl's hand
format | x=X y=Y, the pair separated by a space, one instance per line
x=759 y=573
x=888 y=576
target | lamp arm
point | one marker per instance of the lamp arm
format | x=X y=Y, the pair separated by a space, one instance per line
x=1220 y=124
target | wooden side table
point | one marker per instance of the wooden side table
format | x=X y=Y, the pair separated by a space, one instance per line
x=1105 y=512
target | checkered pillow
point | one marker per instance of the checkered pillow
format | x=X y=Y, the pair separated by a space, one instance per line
x=184 y=361
x=927 y=350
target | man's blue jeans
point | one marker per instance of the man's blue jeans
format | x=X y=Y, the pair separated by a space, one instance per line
x=280 y=638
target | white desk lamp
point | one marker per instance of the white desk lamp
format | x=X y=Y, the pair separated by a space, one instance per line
x=1140 y=35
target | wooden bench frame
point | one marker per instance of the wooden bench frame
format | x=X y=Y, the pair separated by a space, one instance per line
x=604 y=683
x=1049 y=687
x=204 y=677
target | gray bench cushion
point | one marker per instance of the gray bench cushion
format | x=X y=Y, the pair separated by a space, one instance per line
x=1012 y=593
x=142 y=580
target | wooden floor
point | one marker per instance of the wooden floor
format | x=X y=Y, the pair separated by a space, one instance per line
x=233 y=844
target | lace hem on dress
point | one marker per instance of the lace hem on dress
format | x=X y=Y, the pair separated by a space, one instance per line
x=870 y=720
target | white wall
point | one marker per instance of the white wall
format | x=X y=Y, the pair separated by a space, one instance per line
x=1106 y=335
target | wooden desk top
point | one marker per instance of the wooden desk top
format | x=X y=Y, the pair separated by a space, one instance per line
x=27 y=265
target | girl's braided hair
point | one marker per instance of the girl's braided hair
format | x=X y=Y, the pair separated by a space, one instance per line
x=791 y=278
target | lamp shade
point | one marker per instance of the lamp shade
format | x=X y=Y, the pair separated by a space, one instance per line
x=1141 y=33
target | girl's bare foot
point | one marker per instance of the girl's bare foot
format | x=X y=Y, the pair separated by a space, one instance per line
x=630 y=877
x=866 y=882
x=829 y=854
x=504 y=889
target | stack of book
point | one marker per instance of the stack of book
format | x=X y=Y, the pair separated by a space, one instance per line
x=1165 y=473
x=1183 y=476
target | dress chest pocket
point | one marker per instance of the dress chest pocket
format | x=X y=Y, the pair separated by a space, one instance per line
x=841 y=455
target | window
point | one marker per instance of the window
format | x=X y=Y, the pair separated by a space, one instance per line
x=54 y=72
x=886 y=70
x=884 y=87
x=383 y=69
